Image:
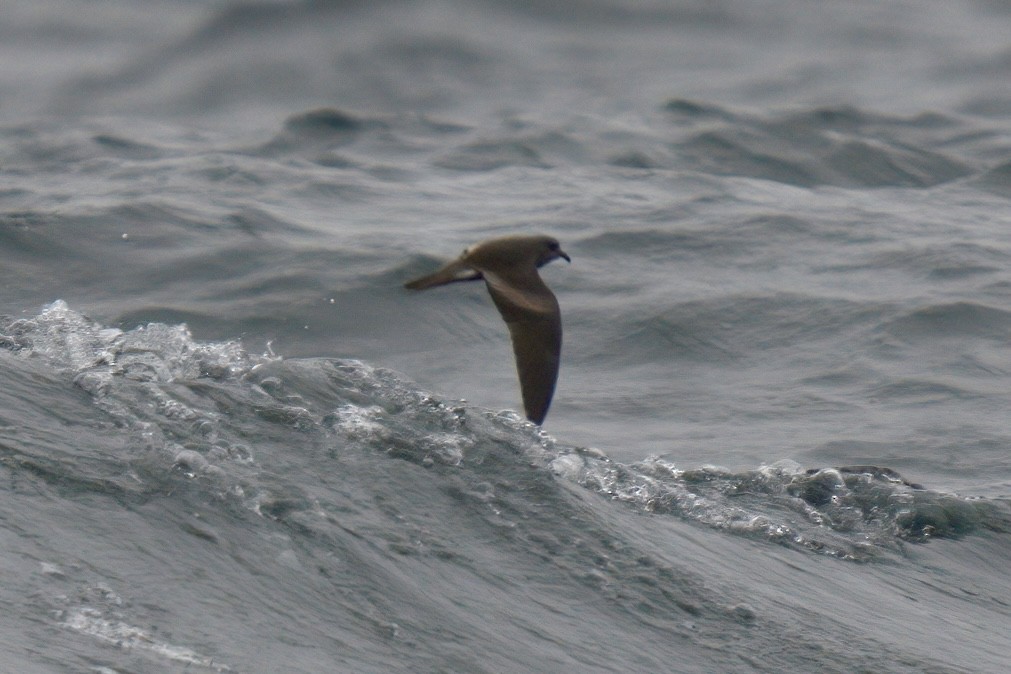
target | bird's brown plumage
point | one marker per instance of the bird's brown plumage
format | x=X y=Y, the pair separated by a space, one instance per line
x=509 y=266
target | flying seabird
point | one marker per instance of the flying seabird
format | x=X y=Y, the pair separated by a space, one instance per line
x=509 y=266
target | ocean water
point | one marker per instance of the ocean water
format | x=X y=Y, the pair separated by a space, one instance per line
x=230 y=441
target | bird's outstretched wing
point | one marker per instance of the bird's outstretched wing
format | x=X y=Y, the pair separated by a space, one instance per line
x=457 y=270
x=535 y=325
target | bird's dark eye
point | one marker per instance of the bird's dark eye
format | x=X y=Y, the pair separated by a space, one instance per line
x=553 y=245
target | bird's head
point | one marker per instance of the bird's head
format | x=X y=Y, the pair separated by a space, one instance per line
x=550 y=249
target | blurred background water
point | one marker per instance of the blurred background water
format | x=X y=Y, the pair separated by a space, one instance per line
x=232 y=442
